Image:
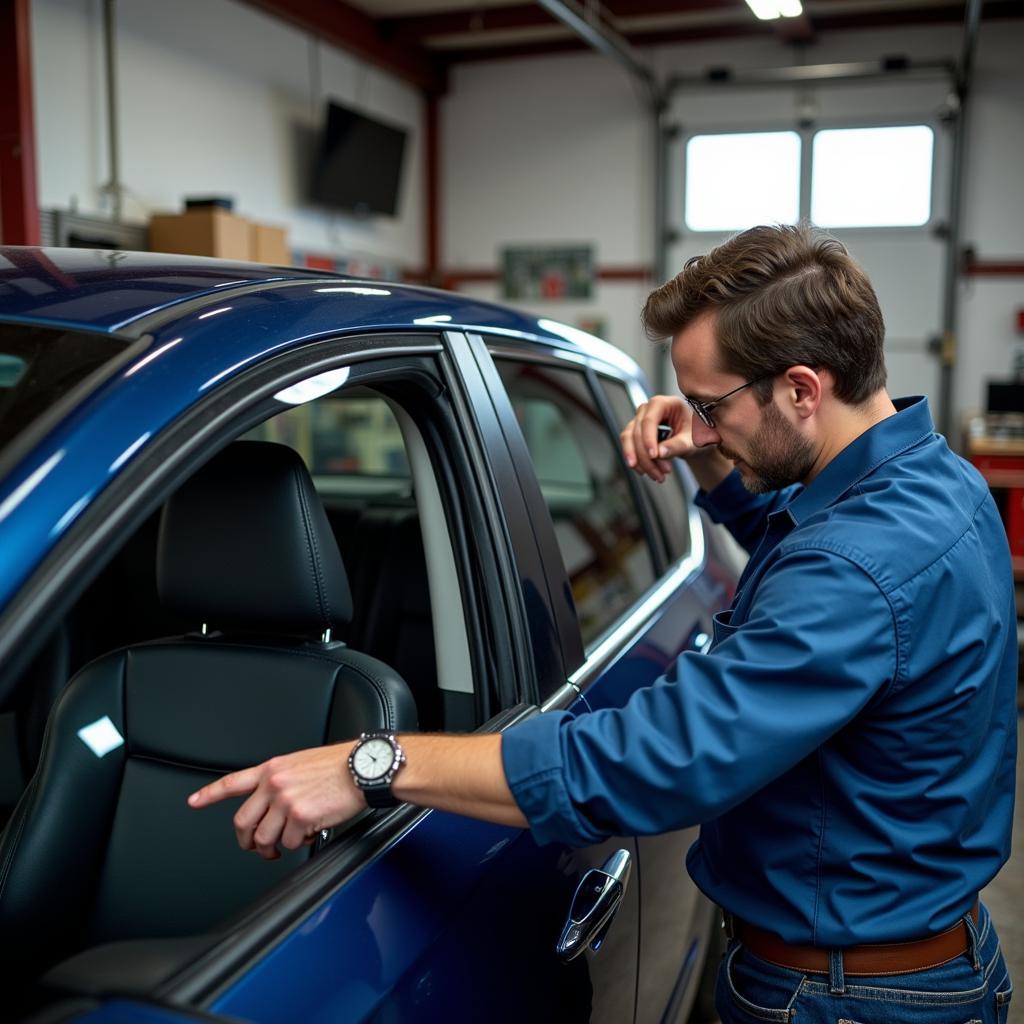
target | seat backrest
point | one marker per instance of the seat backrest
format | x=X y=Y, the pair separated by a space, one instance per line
x=102 y=845
x=389 y=572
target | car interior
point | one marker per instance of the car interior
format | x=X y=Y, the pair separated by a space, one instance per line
x=298 y=589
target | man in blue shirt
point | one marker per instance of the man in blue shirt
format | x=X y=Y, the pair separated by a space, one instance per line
x=848 y=744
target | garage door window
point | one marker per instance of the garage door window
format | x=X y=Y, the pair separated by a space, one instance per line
x=740 y=179
x=597 y=524
x=872 y=177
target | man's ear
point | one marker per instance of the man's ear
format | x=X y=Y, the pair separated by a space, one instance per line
x=804 y=389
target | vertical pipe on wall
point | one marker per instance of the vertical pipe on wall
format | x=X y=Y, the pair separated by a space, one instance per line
x=19 y=206
x=432 y=200
x=953 y=257
x=110 y=41
x=659 y=112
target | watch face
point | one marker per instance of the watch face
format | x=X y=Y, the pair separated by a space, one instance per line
x=374 y=758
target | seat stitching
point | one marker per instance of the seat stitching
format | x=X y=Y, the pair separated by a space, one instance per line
x=380 y=689
x=314 y=551
x=5 y=869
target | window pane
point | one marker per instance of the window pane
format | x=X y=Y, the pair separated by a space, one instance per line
x=872 y=177
x=597 y=523
x=737 y=181
x=668 y=497
x=344 y=439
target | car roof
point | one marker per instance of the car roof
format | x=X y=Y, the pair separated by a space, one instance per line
x=123 y=292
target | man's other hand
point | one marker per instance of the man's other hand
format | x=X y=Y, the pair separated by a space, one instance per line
x=290 y=798
x=647 y=456
x=639 y=438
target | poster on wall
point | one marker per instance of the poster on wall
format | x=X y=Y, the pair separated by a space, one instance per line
x=548 y=272
x=596 y=325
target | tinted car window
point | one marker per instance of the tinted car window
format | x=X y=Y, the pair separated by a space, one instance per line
x=668 y=498
x=39 y=365
x=597 y=523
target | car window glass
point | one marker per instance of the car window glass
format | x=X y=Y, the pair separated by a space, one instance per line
x=668 y=498
x=354 y=447
x=39 y=365
x=597 y=524
x=351 y=443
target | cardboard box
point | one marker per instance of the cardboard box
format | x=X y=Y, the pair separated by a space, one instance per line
x=270 y=245
x=205 y=232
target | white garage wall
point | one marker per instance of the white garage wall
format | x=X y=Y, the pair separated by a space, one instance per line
x=558 y=149
x=553 y=150
x=993 y=214
x=215 y=98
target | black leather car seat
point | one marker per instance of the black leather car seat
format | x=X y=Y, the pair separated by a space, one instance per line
x=102 y=846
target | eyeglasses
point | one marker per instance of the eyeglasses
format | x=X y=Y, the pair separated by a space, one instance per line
x=703 y=409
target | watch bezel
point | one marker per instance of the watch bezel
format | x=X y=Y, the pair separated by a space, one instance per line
x=379 y=781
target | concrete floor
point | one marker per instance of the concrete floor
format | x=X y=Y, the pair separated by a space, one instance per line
x=1005 y=896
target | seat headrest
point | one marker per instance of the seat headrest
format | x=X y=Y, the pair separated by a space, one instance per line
x=245 y=542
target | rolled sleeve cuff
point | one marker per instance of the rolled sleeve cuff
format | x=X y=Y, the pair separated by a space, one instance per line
x=531 y=754
x=722 y=501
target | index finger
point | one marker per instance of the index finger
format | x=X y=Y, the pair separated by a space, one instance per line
x=649 y=425
x=235 y=784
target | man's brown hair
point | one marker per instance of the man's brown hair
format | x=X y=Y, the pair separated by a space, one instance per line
x=784 y=296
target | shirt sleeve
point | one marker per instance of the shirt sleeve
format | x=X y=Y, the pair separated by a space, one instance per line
x=819 y=643
x=742 y=512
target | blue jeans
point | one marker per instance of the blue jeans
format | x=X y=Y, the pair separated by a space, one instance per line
x=972 y=989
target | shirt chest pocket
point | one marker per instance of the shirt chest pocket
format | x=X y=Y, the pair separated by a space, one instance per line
x=723 y=627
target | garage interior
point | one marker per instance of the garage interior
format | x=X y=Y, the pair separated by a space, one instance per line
x=546 y=155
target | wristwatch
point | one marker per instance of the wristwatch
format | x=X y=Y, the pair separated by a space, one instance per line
x=375 y=760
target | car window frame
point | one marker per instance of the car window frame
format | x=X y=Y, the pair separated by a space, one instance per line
x=584 y=371
x=637 y=396
x=587 y=668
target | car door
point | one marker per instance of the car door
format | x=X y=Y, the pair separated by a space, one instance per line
x=417 y=915
x=405 y=914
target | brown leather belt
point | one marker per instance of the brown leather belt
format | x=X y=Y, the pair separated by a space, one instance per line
x=883 y=958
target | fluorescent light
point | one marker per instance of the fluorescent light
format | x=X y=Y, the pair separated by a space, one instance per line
x=767 y=9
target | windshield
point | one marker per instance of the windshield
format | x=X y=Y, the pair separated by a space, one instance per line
x=39 y=366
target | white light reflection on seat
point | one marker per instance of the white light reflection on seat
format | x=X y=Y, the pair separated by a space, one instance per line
x=101 y=736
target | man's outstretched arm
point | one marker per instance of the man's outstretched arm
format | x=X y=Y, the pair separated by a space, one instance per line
x=292 y=797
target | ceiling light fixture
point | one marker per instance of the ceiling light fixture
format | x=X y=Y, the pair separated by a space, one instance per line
x=767 y=9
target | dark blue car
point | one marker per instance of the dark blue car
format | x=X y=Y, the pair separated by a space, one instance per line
x=246 y=510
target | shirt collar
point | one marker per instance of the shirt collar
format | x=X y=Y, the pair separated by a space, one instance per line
x=887 y=438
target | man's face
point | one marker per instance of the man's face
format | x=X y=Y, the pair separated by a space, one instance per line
x=767 y=449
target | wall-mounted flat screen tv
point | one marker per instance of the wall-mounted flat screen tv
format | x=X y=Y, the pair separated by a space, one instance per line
x=359 y=164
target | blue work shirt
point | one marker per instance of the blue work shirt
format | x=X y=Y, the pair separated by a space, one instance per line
x=848 y=744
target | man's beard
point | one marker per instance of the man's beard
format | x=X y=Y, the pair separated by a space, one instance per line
x=778 y=454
